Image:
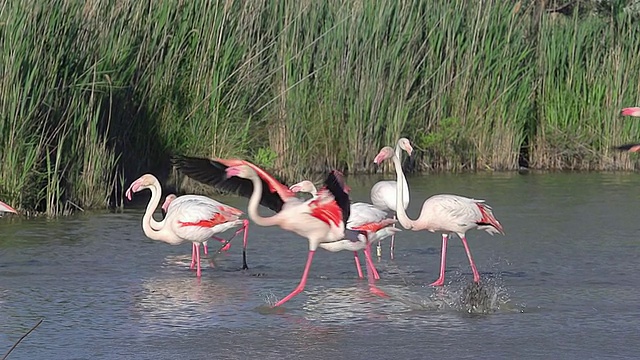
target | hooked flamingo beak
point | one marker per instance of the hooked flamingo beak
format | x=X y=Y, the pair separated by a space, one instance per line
x=410 y=150
x=295 y=188
x=132 y=189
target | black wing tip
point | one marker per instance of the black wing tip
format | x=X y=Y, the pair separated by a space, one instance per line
x=635 y=147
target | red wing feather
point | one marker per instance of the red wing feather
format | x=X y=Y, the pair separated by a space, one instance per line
x=217 y=219
x=375 y=226
x=327 y=211
x=488 y=218
x=274 y=185
x=229 y=210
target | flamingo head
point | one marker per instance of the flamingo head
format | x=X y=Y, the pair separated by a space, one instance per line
x=632 y=111
x=241 y=171
x=304 y=186
x=6 y=208
x=384 y=154
x=167 y=201
x=405 y=145
x=143 y=182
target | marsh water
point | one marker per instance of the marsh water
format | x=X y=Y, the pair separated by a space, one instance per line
x=562 y=284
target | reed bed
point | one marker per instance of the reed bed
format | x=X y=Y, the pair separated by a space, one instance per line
x=93 y=94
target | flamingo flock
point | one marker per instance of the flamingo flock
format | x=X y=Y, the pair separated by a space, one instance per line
x=328 y=219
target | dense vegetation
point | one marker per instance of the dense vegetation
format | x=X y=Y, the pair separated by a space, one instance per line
x=93 y=94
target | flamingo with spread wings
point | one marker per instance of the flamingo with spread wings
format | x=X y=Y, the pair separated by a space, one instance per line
x=4 y=208
x=192 y=218
x=363 y=217
x=445 y=214
x=634 y=147
x=383 y=193
x=321 y=219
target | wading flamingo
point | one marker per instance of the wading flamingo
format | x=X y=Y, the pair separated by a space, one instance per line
x=192 y=218
x=383 y=193
x=320 y=220
x=635 y=112
x=226 y=243
x=363 y=217
x=6 y=208
x=445 y=214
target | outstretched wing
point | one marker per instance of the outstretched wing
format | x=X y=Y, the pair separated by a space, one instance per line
x=628 y=147
x=213 y=173
x=336 y=185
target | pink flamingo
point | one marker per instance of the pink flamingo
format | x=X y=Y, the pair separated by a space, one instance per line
x=445 y=214
x=364 y=217
x=631 y=111
x=6 y=208
x=192 y=218
x=635 y=112
x=227 y=244
x=383 y=193
x=321 y=219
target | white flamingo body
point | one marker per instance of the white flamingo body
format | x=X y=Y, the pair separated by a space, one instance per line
x=363 y=213
x=446 y=214
x=452 y=213
x=189 y=218
x=349 y=245
x=383 y=195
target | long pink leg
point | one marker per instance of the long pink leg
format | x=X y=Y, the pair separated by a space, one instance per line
x=198 y=272
x=476 y=275
x=302 y=283
x=228 y=245
x=245 y=227
x=193 y=256
x=355 y=256
x=443 y=260
x=369 y=261
x=371 y=270
x=206 y=248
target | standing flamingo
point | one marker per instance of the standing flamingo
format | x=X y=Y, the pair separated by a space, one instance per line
x=445 y=214
x=226 y=243
x=6 y=208
x=383 y=193
x=192 y=218
x=320 y=220
x=363 y=216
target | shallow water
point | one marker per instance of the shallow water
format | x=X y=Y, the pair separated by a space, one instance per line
x=561 y=284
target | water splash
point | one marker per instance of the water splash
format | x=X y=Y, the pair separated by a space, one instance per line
x=462 y=295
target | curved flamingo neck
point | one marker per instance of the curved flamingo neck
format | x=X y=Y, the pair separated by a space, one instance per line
x=152 y=228
x=254 y=201
x=400 y=183
x=405 y=185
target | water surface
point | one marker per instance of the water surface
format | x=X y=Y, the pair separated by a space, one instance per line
x=562 y=283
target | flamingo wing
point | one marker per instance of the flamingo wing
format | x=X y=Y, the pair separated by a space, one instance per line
x=213 y=173
x=628 y=147
x=363 y=213
x=336 y=186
